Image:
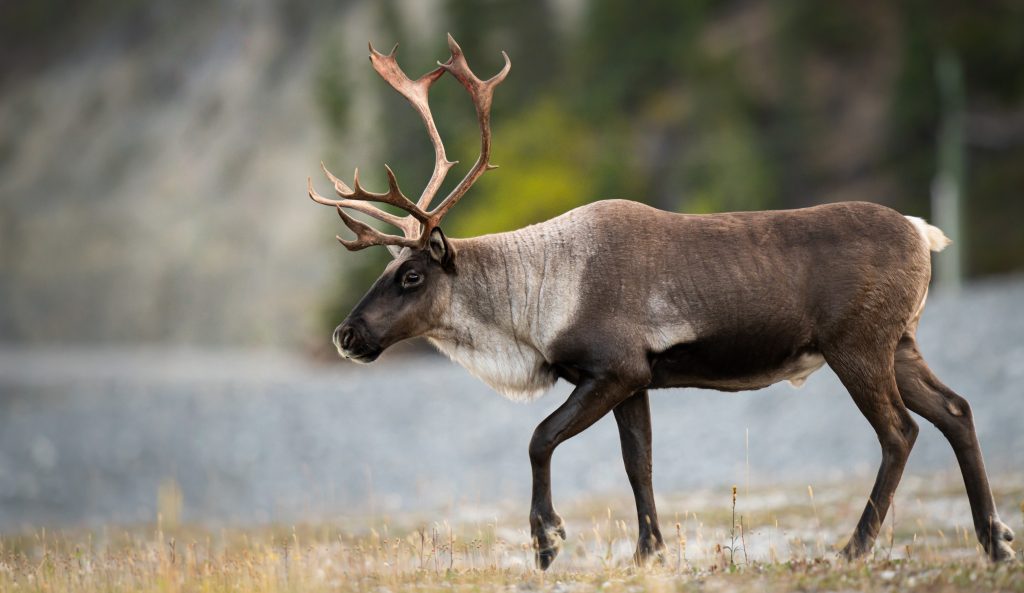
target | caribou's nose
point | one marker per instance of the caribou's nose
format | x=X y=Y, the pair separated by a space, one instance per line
x=347 y=334
x=343 y=337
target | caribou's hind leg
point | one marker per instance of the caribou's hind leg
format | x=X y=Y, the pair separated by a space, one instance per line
x=870 y=379
x=925 y=395
x=634 y=419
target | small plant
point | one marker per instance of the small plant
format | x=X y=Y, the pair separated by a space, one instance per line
x=892 y=526
x=681 y=546
x=732 y=534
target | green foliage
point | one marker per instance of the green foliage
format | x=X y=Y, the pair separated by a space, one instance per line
x=840 y=30
x=999 y=209
x=522 y=28
x=629 y=50
x=989 y=42
x=21 y=23
x=545 y=160
x=332 y=87
x=729 y=171
x=988 y=37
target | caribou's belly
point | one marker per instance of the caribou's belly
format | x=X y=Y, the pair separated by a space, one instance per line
x=743 y=368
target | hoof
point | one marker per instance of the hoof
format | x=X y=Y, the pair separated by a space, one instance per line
x=545 y=557
x=1000 y=549
x=649 y=558
x=854 y=549
x=547 y=540
x=648 y=552
x=1003 y=552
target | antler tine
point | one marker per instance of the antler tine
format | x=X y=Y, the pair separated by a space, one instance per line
x=363 y=207
x=482 y=93
x=357 y=199
x=393 y=196
x=367 y=236
x=416 y=93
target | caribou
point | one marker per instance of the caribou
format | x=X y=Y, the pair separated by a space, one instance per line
x=619 y=298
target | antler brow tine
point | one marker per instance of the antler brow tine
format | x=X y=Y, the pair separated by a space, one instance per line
x=367 y=236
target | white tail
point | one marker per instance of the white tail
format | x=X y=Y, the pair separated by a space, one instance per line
x=932 y=235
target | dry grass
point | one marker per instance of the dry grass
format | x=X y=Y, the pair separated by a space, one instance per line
x=781 y=539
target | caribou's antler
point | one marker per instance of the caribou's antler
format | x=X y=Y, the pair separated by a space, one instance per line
x=482 y=93
x=418 y=223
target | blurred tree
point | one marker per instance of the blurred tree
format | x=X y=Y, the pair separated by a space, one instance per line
x=729 y=144
x=535 y=181
x=65 y=25
x=630 y=50
x=989 y=40
x=522 y=28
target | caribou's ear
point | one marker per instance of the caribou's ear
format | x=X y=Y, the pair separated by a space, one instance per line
x=440 y=249
x=394 y=250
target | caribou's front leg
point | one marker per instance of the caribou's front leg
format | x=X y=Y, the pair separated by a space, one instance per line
x=592 y=399
x=634 y=419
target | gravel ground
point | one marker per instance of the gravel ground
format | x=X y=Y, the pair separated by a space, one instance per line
x=91 y=436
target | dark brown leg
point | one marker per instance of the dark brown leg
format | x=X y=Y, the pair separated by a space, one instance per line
x=925 y=395
x=592 y=399
x=872 y=384
x=634 y=419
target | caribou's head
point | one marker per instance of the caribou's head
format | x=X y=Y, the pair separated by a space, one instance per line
x=412 y=293
x=403 y=303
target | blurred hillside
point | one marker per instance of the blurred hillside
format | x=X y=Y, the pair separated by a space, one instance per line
x=153 y=155
x=152 y=171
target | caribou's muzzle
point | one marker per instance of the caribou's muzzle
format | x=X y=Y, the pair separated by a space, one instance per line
x=354 y=341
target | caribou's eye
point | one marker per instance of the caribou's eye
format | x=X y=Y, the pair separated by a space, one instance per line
x=411 y=278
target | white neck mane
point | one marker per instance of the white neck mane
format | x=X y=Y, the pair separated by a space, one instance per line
x=515 y=292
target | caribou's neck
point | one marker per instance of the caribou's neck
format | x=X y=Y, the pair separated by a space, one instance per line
x=513 y=294
x=497 y=284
